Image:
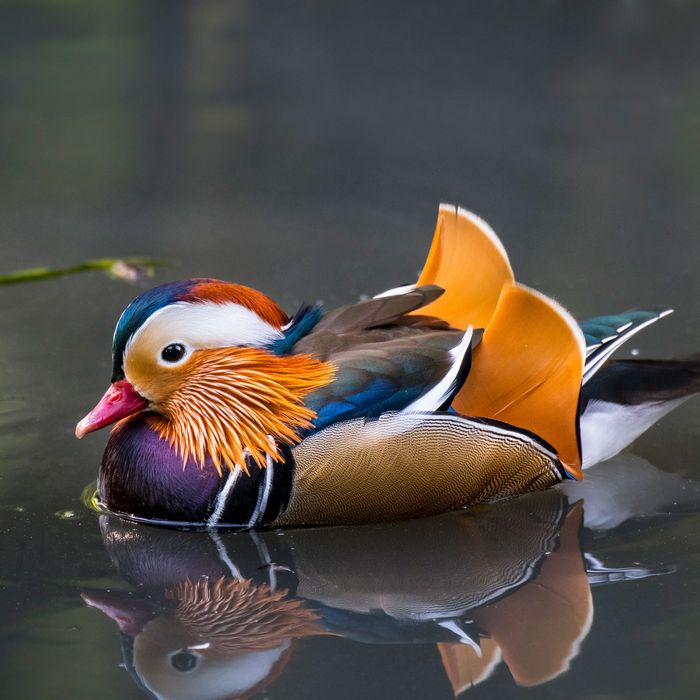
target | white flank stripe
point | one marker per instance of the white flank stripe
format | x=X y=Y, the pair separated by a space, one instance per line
x=222 y=498
x=264 y=494
x=395 y=422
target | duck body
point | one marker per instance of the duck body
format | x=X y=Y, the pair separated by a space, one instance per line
x=332 y=477
x=461 y=389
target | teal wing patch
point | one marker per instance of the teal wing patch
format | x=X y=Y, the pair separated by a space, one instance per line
x=605 y=334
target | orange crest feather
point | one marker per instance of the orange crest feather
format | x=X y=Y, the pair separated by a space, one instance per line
x=220 y=292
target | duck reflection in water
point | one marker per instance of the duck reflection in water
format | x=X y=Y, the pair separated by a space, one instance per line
x=218 y=616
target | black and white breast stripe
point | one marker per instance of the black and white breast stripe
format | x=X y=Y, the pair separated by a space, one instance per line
x=255 y=500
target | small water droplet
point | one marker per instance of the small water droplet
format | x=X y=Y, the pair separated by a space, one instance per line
x=634 y=352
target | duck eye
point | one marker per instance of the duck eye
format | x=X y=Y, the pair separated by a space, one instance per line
x=173 y=352
x=183 y=661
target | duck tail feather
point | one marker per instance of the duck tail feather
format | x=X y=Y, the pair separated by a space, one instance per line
x=635 y=382
x=605 y=334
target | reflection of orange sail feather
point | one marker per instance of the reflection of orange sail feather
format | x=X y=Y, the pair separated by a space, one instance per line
x=540 y=627
x=464 y=667
x=468 y=261
x=537 y=630
x=527 y=371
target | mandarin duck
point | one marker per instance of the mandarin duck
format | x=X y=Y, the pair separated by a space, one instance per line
x=223 y=616
x=463 y=388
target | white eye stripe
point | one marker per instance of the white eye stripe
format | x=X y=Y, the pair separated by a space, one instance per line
x=204 y=325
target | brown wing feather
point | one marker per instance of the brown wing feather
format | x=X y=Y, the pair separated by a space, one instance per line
x=378 y=311
x=374 y=321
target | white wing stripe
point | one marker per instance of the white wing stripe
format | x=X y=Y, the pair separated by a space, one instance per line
x=435 y=397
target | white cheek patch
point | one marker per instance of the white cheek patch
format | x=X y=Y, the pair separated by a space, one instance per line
x=204 y=325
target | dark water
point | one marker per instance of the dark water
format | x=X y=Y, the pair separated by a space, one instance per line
x=303 y=149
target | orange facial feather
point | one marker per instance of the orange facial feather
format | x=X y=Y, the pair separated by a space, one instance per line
x=239 y=617
x=228 y=401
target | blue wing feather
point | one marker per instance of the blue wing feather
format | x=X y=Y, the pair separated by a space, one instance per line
x=376 y=371
x=369 y=399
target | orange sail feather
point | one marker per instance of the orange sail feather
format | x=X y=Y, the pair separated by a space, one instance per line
x=469 y=262
x=527 y=372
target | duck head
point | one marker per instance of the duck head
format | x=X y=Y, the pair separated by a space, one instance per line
x=199 y=357
x=214 y=640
